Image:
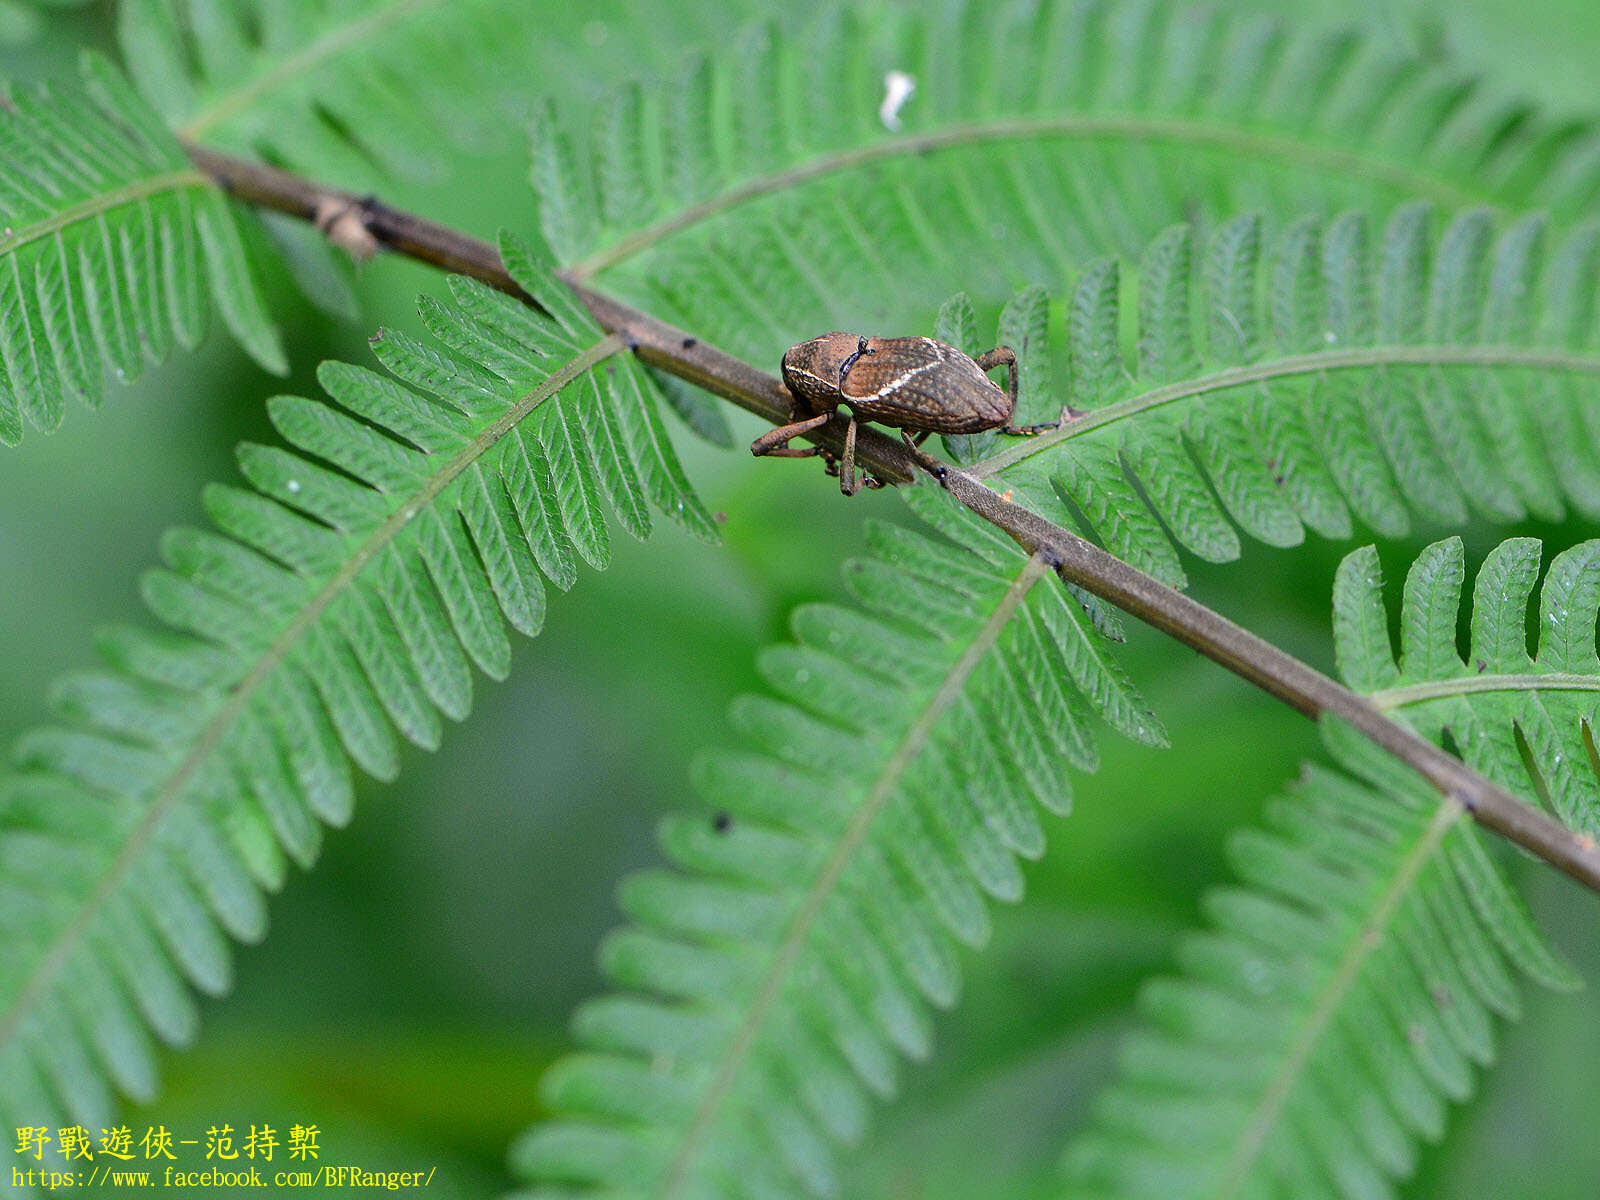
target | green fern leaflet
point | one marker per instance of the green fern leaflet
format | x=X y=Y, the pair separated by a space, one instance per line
x=763 y=195
x=769 y=988
x=1346 y=994
x=111 y=240
x=342 y=600
x=360 y=92
x=1522 y=720
x=1331 y=376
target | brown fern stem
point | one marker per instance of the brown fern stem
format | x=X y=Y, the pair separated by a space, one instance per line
x=365 y=223
x=346 y=217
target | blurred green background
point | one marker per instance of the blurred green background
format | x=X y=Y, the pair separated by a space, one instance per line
x=417 y=982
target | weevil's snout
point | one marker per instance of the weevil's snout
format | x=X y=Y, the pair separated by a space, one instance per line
x=814 y=370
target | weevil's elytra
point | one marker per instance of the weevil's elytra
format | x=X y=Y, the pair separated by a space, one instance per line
x=915 y=384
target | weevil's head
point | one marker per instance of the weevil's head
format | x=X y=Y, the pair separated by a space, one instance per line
x=815 y=370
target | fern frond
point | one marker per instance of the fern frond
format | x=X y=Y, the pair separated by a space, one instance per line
x=1339 y=1001
x=760 y=196
x=1344 y=998
x=339 y=602
x=1522 y=717
x=111 y=241
x=771 y=985
x=367 y=91
x=357 y=91
x=1328 y=377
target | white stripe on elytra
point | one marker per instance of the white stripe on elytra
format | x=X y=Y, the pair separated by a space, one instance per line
x=894 y=385
x=810 y=375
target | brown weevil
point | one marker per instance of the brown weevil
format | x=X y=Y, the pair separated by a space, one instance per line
x=915 y=384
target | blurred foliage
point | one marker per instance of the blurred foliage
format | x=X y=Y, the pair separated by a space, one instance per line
x=416 y=983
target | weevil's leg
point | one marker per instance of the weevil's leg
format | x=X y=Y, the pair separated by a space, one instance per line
x=775 y=442
x=1033 y=430
x=847 y=473
x=924 y=460
x=1003 y=356
x=914 y=440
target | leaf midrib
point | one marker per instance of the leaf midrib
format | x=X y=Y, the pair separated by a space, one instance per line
x=299 y=63
x=1420 y=693
x=1367 y=938
x=1314 y=363
x=214 y=730
x=1410 y=181
x=103 y=202
x=788 y=951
